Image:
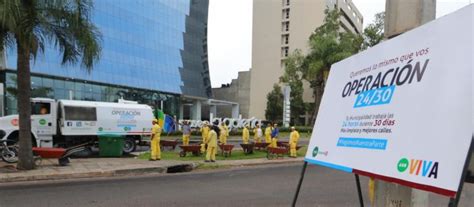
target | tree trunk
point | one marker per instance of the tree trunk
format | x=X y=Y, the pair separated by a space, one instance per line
x=318 y=91
x=25 y=154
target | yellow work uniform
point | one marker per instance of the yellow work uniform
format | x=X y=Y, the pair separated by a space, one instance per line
x=155 y=142
x=204 y=134
x=294 y=137
x=245 y=135
x=256 y=138
x=226 y=130
x=211 y=146
x=268 y=135
x=274 y=142
x=223 y=135
x=186 y=139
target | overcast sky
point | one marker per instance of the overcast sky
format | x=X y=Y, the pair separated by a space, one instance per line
x=230 y=33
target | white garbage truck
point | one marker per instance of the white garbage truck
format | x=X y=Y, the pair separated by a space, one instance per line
x=65 y=123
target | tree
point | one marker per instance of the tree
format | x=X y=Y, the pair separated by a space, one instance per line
x=274 y=109
x=328 y=45
x=293 y=77
x=29 y=25
x=374 y=32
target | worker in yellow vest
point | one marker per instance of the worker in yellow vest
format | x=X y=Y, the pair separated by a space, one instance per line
x=204 y=134
x=294 y=137
x=257 y=134
x=211 y=142
x=155 y=141
x=268 y=134
x=275 y=133
x=223 y=133
x=186 y=133
x=245 y=134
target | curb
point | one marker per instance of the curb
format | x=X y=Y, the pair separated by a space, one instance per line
x=186 y=167
x=273 y=162
x=65 y=176
x=250 y=164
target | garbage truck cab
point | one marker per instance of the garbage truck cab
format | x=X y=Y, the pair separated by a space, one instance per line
x=43 y=123
x=66 y=123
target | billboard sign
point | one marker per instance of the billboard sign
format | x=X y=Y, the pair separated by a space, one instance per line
x=402 y=110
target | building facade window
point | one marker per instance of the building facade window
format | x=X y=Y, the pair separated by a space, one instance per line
x=87 y=91
x=285 y=51
x=285 y=39
x=286 y=13
x=148 y=48
x=285 y=26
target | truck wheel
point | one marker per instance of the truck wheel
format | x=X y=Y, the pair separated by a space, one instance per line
x=129 y=145
x=10 y=154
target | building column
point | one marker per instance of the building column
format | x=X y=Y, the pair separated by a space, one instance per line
x=2 y=100
x=181 y=111
x=212 y=112
x=196 y=110
x=401 y=16
x=235 y=111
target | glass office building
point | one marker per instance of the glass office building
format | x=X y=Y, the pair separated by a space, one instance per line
x=153 y=52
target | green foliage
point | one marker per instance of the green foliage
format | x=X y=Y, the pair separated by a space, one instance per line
x=300 y=129
x=293 y=77
x=236 y=155
x=64 y=23
x=328 y=44
x=274 y=111
x=30 y=26
x=374 y=32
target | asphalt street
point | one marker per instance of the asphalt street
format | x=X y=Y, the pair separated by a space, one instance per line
x=254 y=186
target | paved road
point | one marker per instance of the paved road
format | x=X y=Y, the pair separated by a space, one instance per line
x=257 y=186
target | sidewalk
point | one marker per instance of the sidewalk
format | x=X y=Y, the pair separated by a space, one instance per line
x=108 y=167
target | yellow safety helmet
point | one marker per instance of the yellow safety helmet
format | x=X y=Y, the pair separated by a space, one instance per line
x=155 y=120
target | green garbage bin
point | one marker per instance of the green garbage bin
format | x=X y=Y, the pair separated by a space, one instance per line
x=111 y=145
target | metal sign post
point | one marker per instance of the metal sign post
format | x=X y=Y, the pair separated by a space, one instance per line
x=303 y=171
x=295 y=198
x=453 y=202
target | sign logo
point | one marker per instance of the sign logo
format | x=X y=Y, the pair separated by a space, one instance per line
x=402 y=165
x=101 y=129
x=424 y=168
x=126 y=128
x=42 y=121
x=14 y=122
x=69 y=124
x=317 y=152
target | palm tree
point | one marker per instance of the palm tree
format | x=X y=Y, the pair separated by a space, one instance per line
x=328 y=44
x=29 y=25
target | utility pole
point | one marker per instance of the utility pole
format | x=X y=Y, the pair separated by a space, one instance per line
x=401 y=16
